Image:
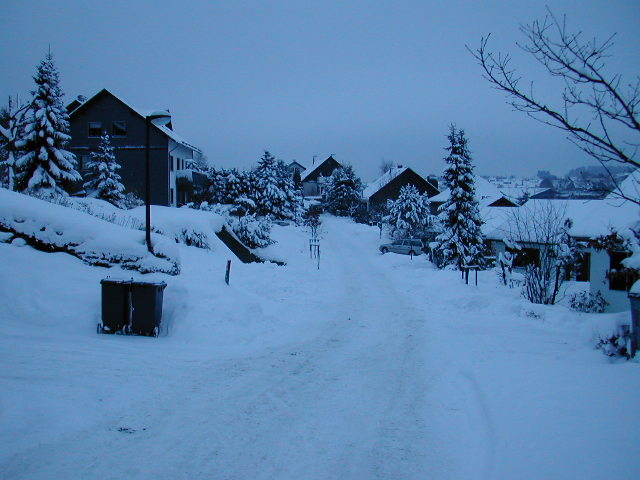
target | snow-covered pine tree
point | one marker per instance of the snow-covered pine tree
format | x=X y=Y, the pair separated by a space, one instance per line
x=409 y=214
x=268 y=195
x=103 y=178
x=293 y=196
x=11 y=130
x=344 y=191
x=45 y=164
x=460 y=242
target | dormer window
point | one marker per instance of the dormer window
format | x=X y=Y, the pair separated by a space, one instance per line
x=119 y=128
x=95 y=129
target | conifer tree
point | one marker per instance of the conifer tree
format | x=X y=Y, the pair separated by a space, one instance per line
x=344 y=191
x=45 y=164
x=11 y=131
x=460 y=242
x=268 y=194
x=409 y=214
x=103 y=177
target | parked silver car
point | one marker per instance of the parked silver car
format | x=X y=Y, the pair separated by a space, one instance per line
x=408 y=246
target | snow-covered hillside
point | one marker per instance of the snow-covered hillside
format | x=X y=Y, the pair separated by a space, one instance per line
x=372 y=366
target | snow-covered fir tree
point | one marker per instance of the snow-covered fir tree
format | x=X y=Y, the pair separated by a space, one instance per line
x=460 y=242
x=11 y=130
x=268 y=196
x=293 y=195
x=409 y=214
x=103 y=179
x=272 y=190
x=344 y=191
x=45 y=164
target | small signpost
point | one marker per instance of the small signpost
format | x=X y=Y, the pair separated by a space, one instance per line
x=314 y=250
x=465 y=273
x=228 y=272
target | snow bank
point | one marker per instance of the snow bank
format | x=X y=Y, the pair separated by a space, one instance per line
x=55 y=228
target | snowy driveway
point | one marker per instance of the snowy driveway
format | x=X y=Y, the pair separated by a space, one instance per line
x=371 y=367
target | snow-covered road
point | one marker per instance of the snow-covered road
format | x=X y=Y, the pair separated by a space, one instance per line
x=371 y=367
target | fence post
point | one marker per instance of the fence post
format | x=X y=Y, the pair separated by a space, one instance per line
x=226 y=275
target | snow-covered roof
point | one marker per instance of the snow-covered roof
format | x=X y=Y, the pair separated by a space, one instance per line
x=590 y=218
x=629 y=187
x=486 y=192
x=380 y=182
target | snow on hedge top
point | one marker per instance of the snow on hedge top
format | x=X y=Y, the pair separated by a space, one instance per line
x=184 y=225
x=91 y=239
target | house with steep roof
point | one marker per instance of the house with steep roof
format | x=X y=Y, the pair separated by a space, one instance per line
x=388 y=186
x=173 y=179
x=315 y=182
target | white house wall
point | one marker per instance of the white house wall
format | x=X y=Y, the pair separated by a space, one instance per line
x=178 y=152
x=600 y=262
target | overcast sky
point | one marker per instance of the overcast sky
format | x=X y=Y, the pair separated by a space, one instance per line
x=360 y=80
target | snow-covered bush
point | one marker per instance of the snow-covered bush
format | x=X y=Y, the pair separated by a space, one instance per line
x=409 y=214
x=344 y=191
x=254 y=232
x=618 y=344
x=588 y=303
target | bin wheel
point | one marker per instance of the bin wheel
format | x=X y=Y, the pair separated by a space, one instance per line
x=155 y=332
x=99 y=328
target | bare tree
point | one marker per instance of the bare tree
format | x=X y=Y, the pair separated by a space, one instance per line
x=541 y=228
x=598 y=111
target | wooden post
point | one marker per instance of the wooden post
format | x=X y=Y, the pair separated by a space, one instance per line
x=228 y=272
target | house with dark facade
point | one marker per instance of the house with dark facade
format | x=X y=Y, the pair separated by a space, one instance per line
x=315 y=182
x=173 y=179
x=388 y=186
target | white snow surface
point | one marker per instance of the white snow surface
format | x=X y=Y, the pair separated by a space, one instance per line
x=372 y=366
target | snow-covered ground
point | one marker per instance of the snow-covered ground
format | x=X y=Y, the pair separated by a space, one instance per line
x=372 y=366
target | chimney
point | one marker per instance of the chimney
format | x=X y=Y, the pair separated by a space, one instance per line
x=433 y=181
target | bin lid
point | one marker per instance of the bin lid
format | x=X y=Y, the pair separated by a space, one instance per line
x=148 y=284
x=115 y=281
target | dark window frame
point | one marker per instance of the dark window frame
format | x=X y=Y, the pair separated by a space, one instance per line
x=92 y=127
x=122 y=129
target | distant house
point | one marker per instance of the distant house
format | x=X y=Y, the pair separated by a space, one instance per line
x=487 y=195
x=315 y=182
x=173 y=180
x=296 y=167
x=388 y=186
x=590 y=219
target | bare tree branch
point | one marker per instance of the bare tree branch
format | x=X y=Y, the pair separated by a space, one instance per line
x=599 y=114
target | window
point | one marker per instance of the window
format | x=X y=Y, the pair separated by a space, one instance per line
x=171 y=163
x=172 y=196
x=527 y=256
x=119 y=128
x=95 y=129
